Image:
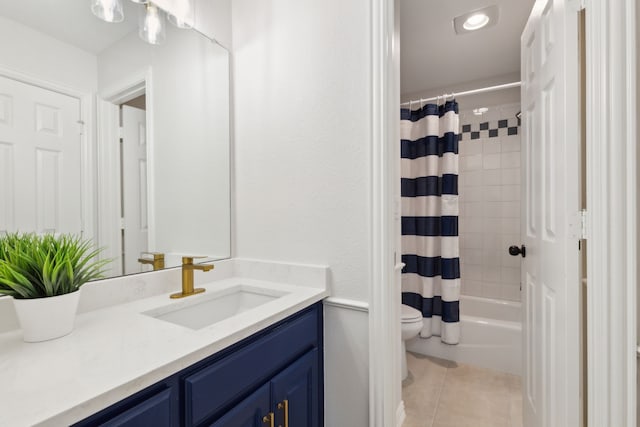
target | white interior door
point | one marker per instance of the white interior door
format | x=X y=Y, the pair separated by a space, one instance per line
x=40 y=160
x=134 y=187
x=550 y=273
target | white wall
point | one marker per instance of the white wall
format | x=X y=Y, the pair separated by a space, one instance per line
x=190 y=145
x=213 y=18
x=37 y=55
x=489 y=187
x=302 y=90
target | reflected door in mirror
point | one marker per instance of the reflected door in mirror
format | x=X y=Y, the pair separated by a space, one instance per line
x=135 y=233
x=40 y=160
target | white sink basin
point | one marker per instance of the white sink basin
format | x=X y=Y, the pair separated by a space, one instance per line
x=196 y=312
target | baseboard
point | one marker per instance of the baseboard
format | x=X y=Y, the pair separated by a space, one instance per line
x=400 y=414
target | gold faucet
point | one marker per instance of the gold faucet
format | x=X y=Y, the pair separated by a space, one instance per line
x=157 y=261
x=187 y=276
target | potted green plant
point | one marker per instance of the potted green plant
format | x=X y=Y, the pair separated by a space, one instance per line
x=43 y=274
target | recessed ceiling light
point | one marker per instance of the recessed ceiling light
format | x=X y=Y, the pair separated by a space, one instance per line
x=475 y=22
x=480 y=111
x=476 y=19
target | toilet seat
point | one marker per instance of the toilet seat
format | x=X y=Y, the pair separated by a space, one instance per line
x=410 y=314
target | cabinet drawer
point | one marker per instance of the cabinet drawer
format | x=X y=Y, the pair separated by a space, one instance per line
x=226 y=381
x=155 y=411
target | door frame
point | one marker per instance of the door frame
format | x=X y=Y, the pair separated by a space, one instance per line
x=611 y=212
x=108 y=130
x=385 y=392
x=87 y=143
x=611 y=216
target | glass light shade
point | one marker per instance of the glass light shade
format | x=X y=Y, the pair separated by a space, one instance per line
x=183 y=14
x=475 y=22
x=108 y=10
x=140 y=1
x=151 y=25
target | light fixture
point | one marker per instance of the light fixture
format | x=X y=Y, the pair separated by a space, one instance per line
x=182 y=15
x=476 y=19
x=140 y=1
x=480 y=111
x=151 y=25
x=475 y=22
x=108 y=10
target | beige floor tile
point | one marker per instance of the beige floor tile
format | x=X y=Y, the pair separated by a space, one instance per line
x=441 y=393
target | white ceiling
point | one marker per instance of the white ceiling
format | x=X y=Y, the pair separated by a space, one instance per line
x=433 y=56
x=70 y=21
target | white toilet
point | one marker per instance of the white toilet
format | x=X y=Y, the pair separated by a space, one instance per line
x=411 y=326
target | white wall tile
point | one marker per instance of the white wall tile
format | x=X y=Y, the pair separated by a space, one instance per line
x=510 y=193
x=510 y=225
x=509 y=275
x=492 y=241
x=489 y=181
x=469 y=163
x=491 y=146
x=470 y=147
x=492 y=210
x=472 y=178
x=491 y=290
x=492 y=225
x=510 y=176
x=471 y=240
x=491 y=258
x=510 y=160
x=492 y=177
x=509 y=209
x=470 y=225
x=510 y=143
x=471 y=287
x=491 y=161
x=511 y=293
x=491 y=274
x=508 y=260
x=493 y=193
x=472 y=256
x=472 y=272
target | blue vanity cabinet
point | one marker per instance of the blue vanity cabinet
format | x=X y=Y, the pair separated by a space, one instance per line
x=250 y=412
x=291 y=398
x=294 y=393
x=156 y=406
x=275 y=371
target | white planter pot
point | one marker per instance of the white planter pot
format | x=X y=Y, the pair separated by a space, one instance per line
x=47 y=318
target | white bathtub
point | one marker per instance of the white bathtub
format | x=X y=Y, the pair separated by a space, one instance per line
x=490 y=336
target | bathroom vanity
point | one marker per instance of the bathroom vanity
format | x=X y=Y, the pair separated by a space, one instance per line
x=139 y=358
x=274 y=376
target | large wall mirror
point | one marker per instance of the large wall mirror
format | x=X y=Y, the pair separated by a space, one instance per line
x=115 y=131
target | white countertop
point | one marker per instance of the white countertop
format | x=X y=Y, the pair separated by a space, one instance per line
x=117 y=351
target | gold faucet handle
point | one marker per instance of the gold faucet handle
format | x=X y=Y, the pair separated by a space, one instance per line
x=189 y=259
x=156 y=255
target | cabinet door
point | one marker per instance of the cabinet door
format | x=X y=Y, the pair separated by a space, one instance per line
x=249 y=412
x=155 y=411
x=298 y=386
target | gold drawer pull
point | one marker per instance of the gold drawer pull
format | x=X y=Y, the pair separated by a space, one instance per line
x=269 y=418
x=284 y=405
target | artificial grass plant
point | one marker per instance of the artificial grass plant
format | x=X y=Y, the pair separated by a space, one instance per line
x=38 y=266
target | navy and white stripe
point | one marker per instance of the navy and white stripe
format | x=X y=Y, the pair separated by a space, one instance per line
x=429 y=187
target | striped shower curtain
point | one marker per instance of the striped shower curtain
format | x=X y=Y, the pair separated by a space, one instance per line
x=431 y=276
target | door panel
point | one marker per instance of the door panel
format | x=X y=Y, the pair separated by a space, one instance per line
x=134 y=185
x=298 y=385
x=40 y=156
x=551 y=177
x=249 y=412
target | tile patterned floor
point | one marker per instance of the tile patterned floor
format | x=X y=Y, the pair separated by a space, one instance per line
x=439 y=393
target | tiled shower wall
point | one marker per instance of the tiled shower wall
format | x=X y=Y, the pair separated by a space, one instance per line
x=489 y=188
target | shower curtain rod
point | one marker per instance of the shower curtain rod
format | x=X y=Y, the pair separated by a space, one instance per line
x=465 y=93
